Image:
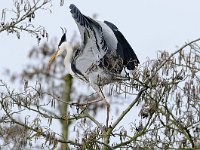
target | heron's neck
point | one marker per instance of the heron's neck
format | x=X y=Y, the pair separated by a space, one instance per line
x=68 y=58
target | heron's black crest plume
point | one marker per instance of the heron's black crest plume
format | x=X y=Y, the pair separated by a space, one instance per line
x=64 y=30
x=63 y=39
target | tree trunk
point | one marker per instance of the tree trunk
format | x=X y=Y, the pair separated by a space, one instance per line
x=64 y=109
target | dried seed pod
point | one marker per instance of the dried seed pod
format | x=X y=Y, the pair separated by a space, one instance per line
x=33 y=15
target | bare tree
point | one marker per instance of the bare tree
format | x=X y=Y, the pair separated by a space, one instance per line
x=167 y=88
x=20 y=18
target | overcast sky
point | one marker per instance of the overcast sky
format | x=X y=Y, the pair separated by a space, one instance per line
x=148 y=25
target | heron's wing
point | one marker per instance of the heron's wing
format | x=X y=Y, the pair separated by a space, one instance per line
x=91 y=34
x=124 y=50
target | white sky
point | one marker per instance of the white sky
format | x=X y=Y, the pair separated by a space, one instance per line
x=148 y=25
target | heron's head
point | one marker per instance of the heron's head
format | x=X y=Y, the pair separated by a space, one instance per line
x=62 y=46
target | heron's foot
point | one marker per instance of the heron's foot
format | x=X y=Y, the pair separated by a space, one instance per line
x=86 y=103
x=122 y=77
x=83 y=107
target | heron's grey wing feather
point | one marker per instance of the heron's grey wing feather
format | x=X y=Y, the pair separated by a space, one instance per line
x=109 y=37
x=91 y=33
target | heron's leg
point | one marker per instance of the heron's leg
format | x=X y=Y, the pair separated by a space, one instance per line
x=99 y=91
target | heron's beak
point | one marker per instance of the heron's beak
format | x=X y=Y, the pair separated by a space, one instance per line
x=53 y=57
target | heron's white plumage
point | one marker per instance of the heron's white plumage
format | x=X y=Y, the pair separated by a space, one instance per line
x=66 y=46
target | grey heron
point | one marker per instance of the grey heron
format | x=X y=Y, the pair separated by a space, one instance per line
x=103 y=54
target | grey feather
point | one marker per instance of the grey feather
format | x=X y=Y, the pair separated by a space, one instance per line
x=93 y=30
x=102 y=55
